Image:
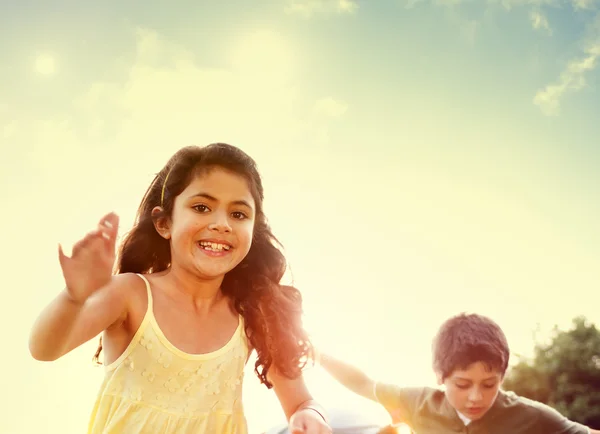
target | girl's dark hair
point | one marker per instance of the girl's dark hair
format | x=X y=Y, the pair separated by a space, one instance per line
x=272 y=312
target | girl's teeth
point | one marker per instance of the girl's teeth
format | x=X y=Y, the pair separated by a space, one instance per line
x=216 y=247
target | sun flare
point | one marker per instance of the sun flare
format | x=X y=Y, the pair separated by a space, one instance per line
x=45 y=64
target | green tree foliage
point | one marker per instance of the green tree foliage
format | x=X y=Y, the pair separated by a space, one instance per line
x=564 y=373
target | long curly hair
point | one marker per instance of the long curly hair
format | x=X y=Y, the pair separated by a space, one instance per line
x=272 y=312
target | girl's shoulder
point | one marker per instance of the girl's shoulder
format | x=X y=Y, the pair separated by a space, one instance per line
x=132 y=286
x=129 y=282
x=134 y=289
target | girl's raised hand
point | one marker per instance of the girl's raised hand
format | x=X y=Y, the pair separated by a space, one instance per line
x=91 y=263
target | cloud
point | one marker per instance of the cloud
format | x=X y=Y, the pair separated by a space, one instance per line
x=167 y=90
x=510 y=4
x=572 y=79
x=584 y=4
x=166 y=99
x=539 y=21
x=409 y=4
x=308 y=8
x=348 y=6
x=253 y=97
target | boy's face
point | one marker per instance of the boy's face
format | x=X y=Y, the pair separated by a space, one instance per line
x=473 y=391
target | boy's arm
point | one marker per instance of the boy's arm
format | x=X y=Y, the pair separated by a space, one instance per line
x=349 y=376
x=554 y=422
x=400 y=402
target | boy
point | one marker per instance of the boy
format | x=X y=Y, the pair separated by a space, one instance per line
x=470 y=358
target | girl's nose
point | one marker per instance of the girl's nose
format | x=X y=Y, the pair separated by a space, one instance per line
x=220 y=224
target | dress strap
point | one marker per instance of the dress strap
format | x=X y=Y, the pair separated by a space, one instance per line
x=148 y=291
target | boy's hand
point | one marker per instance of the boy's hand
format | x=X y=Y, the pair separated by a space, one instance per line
x=90 y=266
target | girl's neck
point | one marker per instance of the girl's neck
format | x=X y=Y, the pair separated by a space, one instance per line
x=200 y=291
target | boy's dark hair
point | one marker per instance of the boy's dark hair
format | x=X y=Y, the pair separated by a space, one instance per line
x=466 y=339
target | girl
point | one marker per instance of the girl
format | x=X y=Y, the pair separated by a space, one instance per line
x=196 y=290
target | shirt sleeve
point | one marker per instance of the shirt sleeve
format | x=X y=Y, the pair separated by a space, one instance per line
x=555 y=423
x=400 y=402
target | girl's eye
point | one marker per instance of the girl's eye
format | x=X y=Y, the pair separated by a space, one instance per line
x=489 y=386
x=239 y=215
x=462 y=386
x=201 y=208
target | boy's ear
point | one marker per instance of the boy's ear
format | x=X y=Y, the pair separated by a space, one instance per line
x=439 y=378
x=162 y=224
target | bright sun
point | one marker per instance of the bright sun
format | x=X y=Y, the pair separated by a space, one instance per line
x=45 y=64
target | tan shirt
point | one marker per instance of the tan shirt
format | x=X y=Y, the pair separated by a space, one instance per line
x=427 y=411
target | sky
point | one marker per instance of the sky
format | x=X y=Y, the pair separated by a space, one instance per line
x=420 y=158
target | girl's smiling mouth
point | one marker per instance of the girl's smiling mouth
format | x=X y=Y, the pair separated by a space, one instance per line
x=215 y=248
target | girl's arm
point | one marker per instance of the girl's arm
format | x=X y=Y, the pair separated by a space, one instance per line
x=349 y=376
x=65 y=323
x=92 y=301
x=304 y=414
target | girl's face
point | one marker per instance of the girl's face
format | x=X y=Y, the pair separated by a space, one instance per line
x=212 y=224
